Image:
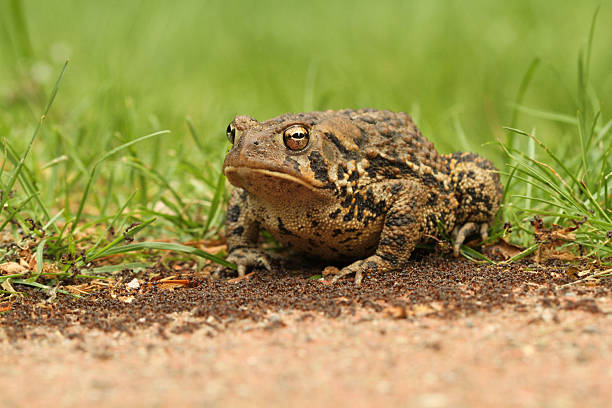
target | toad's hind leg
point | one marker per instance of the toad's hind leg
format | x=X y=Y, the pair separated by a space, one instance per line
x=478 y=191
x=460 y=233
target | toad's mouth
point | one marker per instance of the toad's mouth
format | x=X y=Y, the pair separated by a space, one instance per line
x=258 y=180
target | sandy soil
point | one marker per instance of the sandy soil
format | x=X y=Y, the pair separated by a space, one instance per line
x=485 y=336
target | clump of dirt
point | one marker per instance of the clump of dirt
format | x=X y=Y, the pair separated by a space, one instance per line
x=432 y=285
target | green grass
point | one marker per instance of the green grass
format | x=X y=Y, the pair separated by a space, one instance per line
x=132 y=131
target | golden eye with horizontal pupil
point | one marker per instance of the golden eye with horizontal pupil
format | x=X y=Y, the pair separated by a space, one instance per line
x=296 y=137
x=231 y=132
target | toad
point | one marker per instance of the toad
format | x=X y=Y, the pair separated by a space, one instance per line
x=353 y=187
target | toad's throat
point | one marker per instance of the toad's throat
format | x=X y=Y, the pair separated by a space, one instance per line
x=265 y=181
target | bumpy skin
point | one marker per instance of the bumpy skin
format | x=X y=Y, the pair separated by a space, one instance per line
x=366 y=189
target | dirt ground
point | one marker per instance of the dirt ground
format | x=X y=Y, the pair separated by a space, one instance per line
x=443 y=332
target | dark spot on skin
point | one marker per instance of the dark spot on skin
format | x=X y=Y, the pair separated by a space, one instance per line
x=365 y=136
x=484 y=164
x=398 y=220
x=396 y=241
x=348 y=250
x=233 y=213
x=390 y=133
x=432 y=221
x=292 y=162
x=362 y=204
x=318 y=166
x=371 y=266
x=314 y=223
x=371 y=121
x=462 y=157
x=388 y=258
x=340 y=173
x=388 y=168
x=432 y=199
x=282 y=229
x=354 y=176
x=341 y=148
x=238 y=230
x=396 y=188
x=336 y=232
x=330 y=186
x=443 y=219
x=347 y=239
x=334 y=214
x=386 y=241
x=430 y=180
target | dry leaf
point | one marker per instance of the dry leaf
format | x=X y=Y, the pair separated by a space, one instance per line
x=422 y=309
x=330 y=270
x=551 y=238
x=240 y=278
x=502 y=250
x=13 y=268
x=397 y=312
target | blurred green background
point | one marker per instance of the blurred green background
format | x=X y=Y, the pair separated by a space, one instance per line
x=141 y=66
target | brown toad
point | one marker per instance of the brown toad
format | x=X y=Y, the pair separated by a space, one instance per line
x=350 y=186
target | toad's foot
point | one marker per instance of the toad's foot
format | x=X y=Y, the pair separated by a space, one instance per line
x=358 y=268
x=245 y=258
x=461 y=233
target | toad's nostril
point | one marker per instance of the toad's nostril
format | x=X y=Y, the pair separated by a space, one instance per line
x=256 y=143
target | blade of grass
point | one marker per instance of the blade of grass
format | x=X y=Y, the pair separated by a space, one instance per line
x=139 y=165
x=26 y=179
x=527 y=77
x=52 y=220
x=528 y=251
x=571 y=174
x=166 y=246
x=214 y=204
x=42 y=286
x=20 y=164
x=195 y=136
x=111 y=224
x=39 y=258
x=114 y=268
x=22 y=34
x=15 y=211
x=94 y=171
x=91 y=255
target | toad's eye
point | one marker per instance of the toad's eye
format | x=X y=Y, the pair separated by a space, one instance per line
x=231 y=133
x=296 y=137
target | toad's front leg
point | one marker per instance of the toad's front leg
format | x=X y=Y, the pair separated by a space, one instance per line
x=242 y=232
x=403 y=228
